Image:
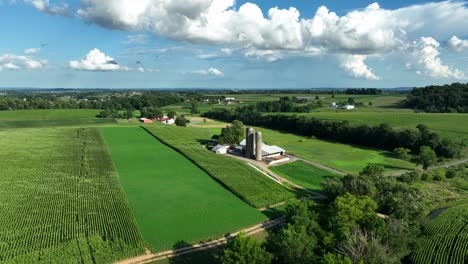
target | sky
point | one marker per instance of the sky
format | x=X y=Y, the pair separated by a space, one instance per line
x=232 y=44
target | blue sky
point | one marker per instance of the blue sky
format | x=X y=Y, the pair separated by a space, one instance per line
x=222 y=44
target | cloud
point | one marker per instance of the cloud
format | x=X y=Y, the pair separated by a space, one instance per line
x=96 y=60
x=456 y=44
x=137 y=39
x=355 y=66
x=366 y=31
x=428 y=62
x=31 y=51
x=18 y=62
x=211 y=71
x=61 y=9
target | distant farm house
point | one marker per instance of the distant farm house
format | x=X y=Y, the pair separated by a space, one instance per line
x=348 y=107
x=220 y=149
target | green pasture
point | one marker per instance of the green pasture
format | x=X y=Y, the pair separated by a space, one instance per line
x=303 y=174
x=61 y=200
x=343 y=157
x=173 y=200
x=248 y=184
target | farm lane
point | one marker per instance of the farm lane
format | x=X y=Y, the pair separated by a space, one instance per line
x=264 y=168
x=150 y=257
x=318 y=165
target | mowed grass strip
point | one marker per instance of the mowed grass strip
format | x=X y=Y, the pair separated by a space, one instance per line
x=343 y=157
x=174 y=201
x=303 y=174
x=61 y=200
x=248 y=184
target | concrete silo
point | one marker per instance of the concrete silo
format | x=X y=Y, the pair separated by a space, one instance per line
x=250 y=141
x=259 y=146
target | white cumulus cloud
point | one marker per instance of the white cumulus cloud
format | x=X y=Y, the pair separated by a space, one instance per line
x=62 y=9
x=210 y=71
x=96 y=60
x=18 y=62
x=428 y=62
x=355 y=66
x=457 y=44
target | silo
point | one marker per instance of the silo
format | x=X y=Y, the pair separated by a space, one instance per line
x=259 y=145
x=249 y=145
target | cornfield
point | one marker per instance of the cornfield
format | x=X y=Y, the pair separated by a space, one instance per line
x=445 y=239
x=61 y=200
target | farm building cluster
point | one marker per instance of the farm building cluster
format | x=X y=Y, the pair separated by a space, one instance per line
x=163 y=119
x=252 y=147
x=345 y=107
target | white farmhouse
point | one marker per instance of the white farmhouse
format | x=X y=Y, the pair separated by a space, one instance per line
x=348 y=107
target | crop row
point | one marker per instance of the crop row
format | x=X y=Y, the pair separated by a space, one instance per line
x=445 y=239
x=61 y=200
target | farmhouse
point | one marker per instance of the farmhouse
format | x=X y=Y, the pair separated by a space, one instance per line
x=348 y=107
x=168 y=121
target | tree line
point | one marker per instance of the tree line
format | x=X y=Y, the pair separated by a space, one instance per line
x=440 y=99
x=114 y=101
x=382 y=136
x=369 y=91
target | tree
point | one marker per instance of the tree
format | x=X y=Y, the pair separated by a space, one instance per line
x=233 y=134
x=245 y=250
x=294 y=244
x=426 y=157
x=351 y=101
x=171 y=114
x=402 y=153
x=194 y=109
x=351 y=212
x=181 y=121
x=333 y=258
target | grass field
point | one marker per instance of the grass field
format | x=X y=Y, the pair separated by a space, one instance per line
x=237 y=176
x=444 y=239
x=174 y=201
x=339 y=156
x=61 y=200
x=454 y=126
x=51 y=118
x=303 y=174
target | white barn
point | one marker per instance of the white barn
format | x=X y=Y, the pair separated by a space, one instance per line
x=220 y=149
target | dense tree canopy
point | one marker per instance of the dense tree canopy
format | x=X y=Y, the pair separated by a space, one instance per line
x=440 y=99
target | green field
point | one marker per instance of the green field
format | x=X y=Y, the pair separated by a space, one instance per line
x=445 y=239
x=174 y=201
x=447 y=125
x=303 y=174
x=248 y=184
x=51 y=118
x=61 y=200
x=339 y=156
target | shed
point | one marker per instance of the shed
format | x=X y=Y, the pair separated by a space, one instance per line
x=220 y=149
x=148 y=121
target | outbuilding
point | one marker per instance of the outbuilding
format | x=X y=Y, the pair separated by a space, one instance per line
x=348 y=107
x=220 y=149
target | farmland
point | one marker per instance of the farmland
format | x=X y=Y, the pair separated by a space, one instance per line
x=303 y=174
x=339 y=156
x=61 y=200
x=173 y=200
x=447 y=125
x=51 y=118
x=242 y=180
x=445 y=239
